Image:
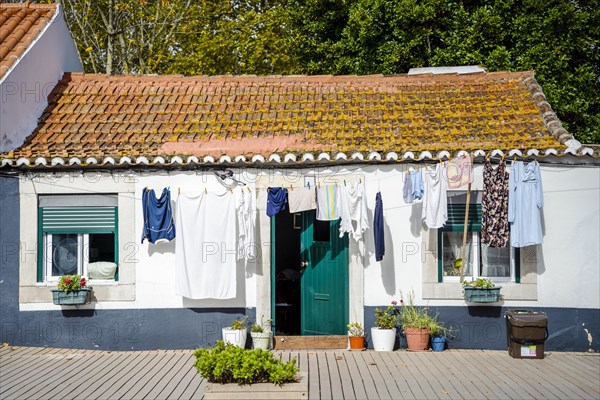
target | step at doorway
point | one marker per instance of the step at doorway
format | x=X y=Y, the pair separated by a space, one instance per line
x=287 y=342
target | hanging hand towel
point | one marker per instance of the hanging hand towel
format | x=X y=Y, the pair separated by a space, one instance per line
x=205 y=250
x=435 y=201
x=459 y=172
x=417 y=184
x=276 y=200
x=525 y=202
x=327 y=203
x=353 y=208
x=494 y=205
x=407 y=189
x=245 y=204
x=378 y=228
x=302 y=199
x=158 y=217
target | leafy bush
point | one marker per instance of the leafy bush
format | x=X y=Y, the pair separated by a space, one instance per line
x=239 y=324
x=226 y=363
x=479 y=283
x=386 y=319
x=257 y=329
x=71 y=283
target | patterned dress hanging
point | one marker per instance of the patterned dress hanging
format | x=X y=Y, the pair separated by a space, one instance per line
x=494 y=205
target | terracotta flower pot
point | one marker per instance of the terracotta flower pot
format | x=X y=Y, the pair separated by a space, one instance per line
x=416 y=338
x=357 y=342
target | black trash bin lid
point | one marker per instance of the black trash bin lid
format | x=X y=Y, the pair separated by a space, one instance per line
x=525 y=318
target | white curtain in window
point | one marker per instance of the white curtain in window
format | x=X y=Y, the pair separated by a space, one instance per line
x=495 y=261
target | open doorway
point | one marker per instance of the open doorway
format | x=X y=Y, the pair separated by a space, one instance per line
x=287 y=274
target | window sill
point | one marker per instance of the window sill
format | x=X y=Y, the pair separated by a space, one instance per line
x=453 y=291
x=102 y=291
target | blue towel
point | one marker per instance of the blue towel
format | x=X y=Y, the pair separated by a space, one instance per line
x=276 y=200
x=158 y=216
x=378 y=228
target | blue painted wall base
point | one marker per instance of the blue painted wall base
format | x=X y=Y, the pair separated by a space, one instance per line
x=485 y=327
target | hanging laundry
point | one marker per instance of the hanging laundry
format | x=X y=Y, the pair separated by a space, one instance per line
x=459 y=172
x=353 y=208
x=327 y=203
x=417 y=184
x=378 y=232
x=494 y=205
x=413 y=186
x=205 y=250
x=302 y=199
x=245 y=204
x=435 y=201
x=276 y=200
x=158 y=217
x=407 y=189
x=525 y=202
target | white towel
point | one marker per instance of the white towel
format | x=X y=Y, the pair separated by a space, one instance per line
x=301 y=199
x=353 y=207
x=327 y=203
x=435 y=200
x=205 y=248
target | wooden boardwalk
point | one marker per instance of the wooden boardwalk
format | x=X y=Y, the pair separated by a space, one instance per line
x=48 y=373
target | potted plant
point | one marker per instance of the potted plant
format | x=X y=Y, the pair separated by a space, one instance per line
x=236 y=333
x=261 y=335
x=384 y=334
x=227 y=367
x=437 y=332
x=481 y=290
x=71 y=290
x=419 y=326
x=356 y=336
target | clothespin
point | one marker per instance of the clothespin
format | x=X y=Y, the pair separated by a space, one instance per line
x=291 y=187
x=344 y=182
x=230 y=190
x=205 y=191
x=249 y=191
x=503 y=155
x=319 y=184
x=178 y=190
x=515 y=159
x=146 y=188
x=308 y=185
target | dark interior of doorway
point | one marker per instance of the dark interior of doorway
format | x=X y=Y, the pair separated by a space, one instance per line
x=287 y=273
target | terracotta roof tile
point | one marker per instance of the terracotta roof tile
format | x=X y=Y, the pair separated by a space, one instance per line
x=247 y=115
x=20 y=25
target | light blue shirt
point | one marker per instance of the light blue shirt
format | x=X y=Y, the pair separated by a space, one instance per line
x=525 y=202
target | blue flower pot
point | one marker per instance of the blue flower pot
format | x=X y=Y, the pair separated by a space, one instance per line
x=438 y=343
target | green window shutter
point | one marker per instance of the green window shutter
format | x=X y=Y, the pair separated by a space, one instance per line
x=456 y=218
x=78 y=219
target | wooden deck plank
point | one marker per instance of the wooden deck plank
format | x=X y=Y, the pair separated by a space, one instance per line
x=389 y=380
x=439 y=392
x=583 y=381
x=77 y=374
x=568 y=364
x=143 y=378
x=324 y=382
x=345 y=378
x=483 y=381
x=314 y=389
x=358 y=383
x=461 y=380
x=431 y=363
x=28 y=376
x=13 y=354
x=420 y=382
x=184 y=361
x=335 y=379
x=367 y=378
x=158 y=376
x=27 y=360
x=406 y=377
x=199 y=393
x=528 y=369
x=187 y=377
x=193 y=387
x=106 y=378
x=128 y=376
x=574 y=384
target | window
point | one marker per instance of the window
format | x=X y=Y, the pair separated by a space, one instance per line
x=78 y=235
x=498 y=264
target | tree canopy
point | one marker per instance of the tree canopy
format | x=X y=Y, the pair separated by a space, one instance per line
x=558 y=39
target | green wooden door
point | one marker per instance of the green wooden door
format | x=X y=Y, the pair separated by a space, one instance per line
x=324 y=291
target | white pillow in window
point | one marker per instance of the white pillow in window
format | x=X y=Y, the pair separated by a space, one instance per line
x=102 y=270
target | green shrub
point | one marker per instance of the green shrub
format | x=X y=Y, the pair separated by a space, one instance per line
x=226 y=363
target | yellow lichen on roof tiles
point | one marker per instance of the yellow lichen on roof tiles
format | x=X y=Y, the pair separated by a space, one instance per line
x=292 y=114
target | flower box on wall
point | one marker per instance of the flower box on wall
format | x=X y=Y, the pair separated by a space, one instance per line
x=482 y=295
x=74 y=298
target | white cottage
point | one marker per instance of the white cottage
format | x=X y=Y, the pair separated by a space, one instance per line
x=104 y=140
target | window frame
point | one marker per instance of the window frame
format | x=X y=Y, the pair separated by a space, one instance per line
x=475 y=230
x=44 y=263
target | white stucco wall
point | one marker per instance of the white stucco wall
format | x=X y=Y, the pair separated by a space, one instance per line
x=568 y=264
x=25 y=88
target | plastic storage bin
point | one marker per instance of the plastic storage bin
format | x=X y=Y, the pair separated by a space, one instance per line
x=526 y=332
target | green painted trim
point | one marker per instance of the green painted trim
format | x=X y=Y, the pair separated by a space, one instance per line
x=116 y=236
x=440 y=263
x=273 y=322
x=517 y=265
x=77 y=231
x=40 y=255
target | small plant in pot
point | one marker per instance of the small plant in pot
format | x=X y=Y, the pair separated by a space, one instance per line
x=438 y=333
x=384 y=334
x=417 y=324
x=236 y=333
x=261 y=335
x=356 y=336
